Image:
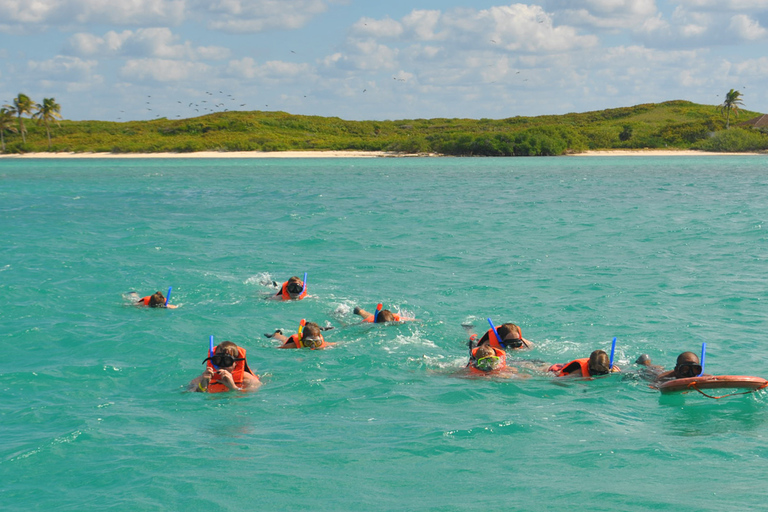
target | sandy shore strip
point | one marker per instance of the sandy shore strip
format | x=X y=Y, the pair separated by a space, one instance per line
x=349 y=154
x=224 y=154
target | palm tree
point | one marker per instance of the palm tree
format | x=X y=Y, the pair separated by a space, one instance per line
x=6 y=124
x=732 y=103
x=21 y=105
x=47 y=112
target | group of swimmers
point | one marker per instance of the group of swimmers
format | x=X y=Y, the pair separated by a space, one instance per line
x=227 y=367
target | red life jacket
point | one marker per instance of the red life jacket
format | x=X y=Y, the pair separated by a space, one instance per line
x=369 y=319
x=499 y=353
x=494 y=341
x=215 y=386
x=299 y=344
x=561 y=370
x=287 y=296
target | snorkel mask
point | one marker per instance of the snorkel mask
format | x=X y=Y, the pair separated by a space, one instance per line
x=488 y=363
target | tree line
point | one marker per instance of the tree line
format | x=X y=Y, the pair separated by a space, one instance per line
x=46 y=112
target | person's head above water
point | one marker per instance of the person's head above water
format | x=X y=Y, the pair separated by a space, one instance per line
x=157 y=300
x=294 y=286
x=312 y=335
x=688 y=365
x=510 y=334
x=225 y=355
x=486 y=358
x=599 y=363
x=385 y=315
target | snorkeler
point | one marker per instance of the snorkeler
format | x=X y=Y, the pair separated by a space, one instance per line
x=156 y=300
x=310 y=335
x=511 y=338
x=380 y=316
x=687 y=365
x=598 y=363
x=293 y=289
x=226 y=370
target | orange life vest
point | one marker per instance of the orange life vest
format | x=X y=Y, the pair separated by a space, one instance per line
x=215 y=386
x=398 y=318
x=499 y=353
x=299 y=344
x=494 y=341
x=145 y=300
x=566 y=369
x=287 y=296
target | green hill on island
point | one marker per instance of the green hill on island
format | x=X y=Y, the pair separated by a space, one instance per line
x=671 y=125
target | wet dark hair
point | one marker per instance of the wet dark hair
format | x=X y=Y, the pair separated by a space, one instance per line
x=505 y=331
x=157 y=300
x=599 y=363
x=385 y=315
x=311 y=330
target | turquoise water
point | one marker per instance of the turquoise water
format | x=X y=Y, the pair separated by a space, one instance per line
x=662 y=252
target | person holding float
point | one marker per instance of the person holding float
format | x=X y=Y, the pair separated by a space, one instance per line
x=156 y=300
x=688 y=375
x=310 y=336
x=380 y=316
x=598 y=363
x=226 y=370
x=293 y=289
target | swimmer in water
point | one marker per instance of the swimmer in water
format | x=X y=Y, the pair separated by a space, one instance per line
x=511 y=338
x=310 y=335
x=688 y=365
x=381 y=316
x=292 y=289
x=598 y=363
x=226 y=370
x=487 y=361
x=156 y=300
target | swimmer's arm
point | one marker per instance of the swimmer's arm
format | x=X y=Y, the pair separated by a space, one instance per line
x=250 y=382
x=363 y=313
x=287 y=344
x=200 y=383
x=528 y=344
x=172 y=306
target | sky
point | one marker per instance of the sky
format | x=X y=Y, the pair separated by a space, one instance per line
x=379 y=60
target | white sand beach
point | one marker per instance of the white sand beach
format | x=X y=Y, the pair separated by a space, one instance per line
x=346 y=154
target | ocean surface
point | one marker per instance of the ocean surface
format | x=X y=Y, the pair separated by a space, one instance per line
x=663 y=253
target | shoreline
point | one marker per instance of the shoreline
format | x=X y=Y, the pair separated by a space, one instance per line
x=354 y=154
x=226 y=154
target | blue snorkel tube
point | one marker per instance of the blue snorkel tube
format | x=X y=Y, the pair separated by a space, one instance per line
x=168 y=296
x=210 y=352
x=703 y=353
x=613 y=351
x=305 y=284
x=493 y=327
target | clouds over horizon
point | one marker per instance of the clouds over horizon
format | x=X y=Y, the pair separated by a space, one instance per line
x=567 y=52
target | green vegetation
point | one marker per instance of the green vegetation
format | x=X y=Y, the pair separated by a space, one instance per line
x=673 y=124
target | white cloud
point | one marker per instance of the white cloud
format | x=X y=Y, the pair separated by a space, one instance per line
x=604 y=14
x=244 y=16
x=65 y=12
x=149 y=42
x=746 y=28
x=163 y=70
x=63 y=73
x=726 y=5
x=369 y=27
x=271 y=71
